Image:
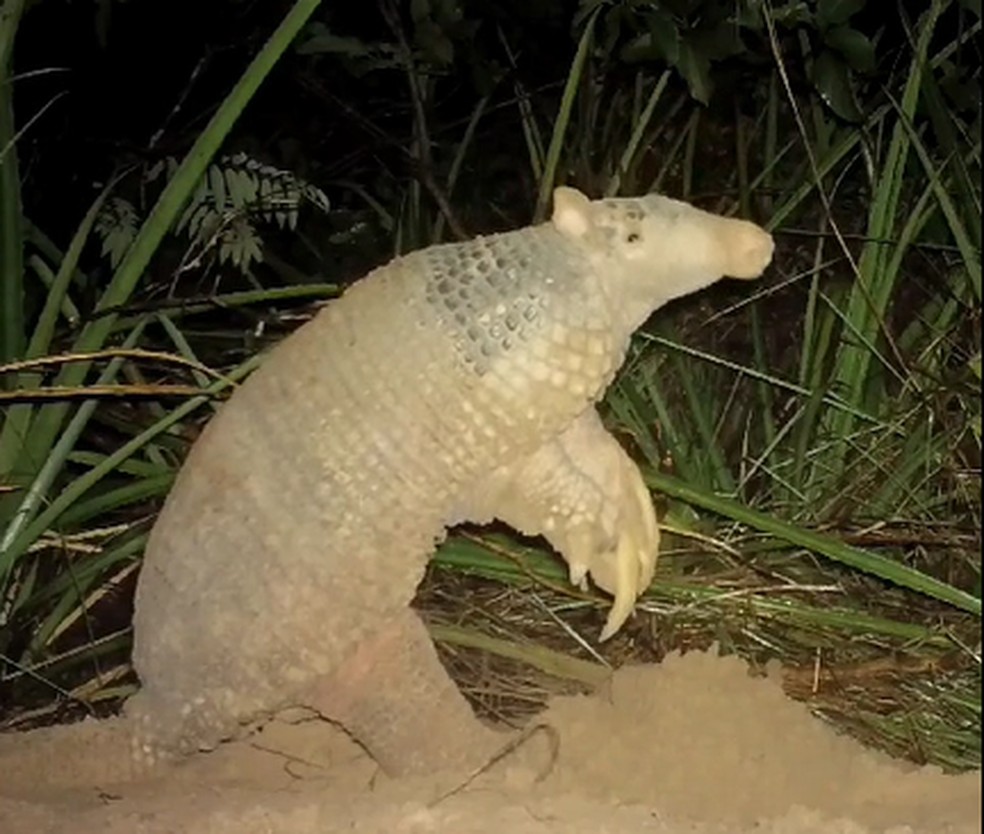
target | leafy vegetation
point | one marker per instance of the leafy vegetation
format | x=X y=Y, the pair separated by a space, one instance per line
x=816 y=446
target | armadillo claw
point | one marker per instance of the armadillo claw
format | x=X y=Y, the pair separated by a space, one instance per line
x=626 y=587
x=635 y=554
x=578 y=555
x=648 y=548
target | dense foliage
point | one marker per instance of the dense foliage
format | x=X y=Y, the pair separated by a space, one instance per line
x=172 y=197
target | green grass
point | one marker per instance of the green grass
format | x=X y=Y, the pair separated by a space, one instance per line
x=45 y=498
x=791 y=442
x=815 y=444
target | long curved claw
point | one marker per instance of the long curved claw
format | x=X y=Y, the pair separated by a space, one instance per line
x=626 y=587
x=648 y=551
x=578 y=554
x=617 y=544
x=636 y=552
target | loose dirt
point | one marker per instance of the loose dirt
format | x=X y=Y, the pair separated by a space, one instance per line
x=692 y=745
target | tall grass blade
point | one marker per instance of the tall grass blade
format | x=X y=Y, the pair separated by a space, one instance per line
x=18 y=538
x=563 y=119
x=854 y=557
x=866 y=307
x=12 y=331
x=163 y=215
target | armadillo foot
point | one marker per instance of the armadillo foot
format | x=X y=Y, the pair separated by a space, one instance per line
x=587 y=497
x=620 y=554
x=395 y=698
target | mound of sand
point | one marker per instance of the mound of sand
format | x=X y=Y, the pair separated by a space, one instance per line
x=693 y=745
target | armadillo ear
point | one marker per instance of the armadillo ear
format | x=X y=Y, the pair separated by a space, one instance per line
x=572 y=212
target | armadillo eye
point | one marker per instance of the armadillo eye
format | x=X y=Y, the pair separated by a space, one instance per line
x=633 y=237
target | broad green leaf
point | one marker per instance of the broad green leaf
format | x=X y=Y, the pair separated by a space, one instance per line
x=832 y=79
x=644 y=48
x=857 y=49
x=695 y=67
x=665 y=35
x=836 y=12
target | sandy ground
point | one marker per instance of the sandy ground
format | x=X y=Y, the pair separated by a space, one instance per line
x=692 y=745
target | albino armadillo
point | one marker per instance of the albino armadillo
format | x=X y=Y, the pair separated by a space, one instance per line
x=455 y=383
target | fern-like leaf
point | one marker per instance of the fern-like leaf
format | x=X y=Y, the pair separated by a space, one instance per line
x=116 y=224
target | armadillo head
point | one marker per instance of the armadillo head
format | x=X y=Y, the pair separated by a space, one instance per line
x=650 y=250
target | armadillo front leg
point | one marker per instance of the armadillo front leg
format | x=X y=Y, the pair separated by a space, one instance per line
x=396 y=699
x=586 y=496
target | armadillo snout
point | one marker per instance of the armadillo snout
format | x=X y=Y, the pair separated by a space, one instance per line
x=750 y=250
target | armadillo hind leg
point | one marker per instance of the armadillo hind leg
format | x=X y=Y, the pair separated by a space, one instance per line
x=586 y=496
x=395 y=698
x=163 y=729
